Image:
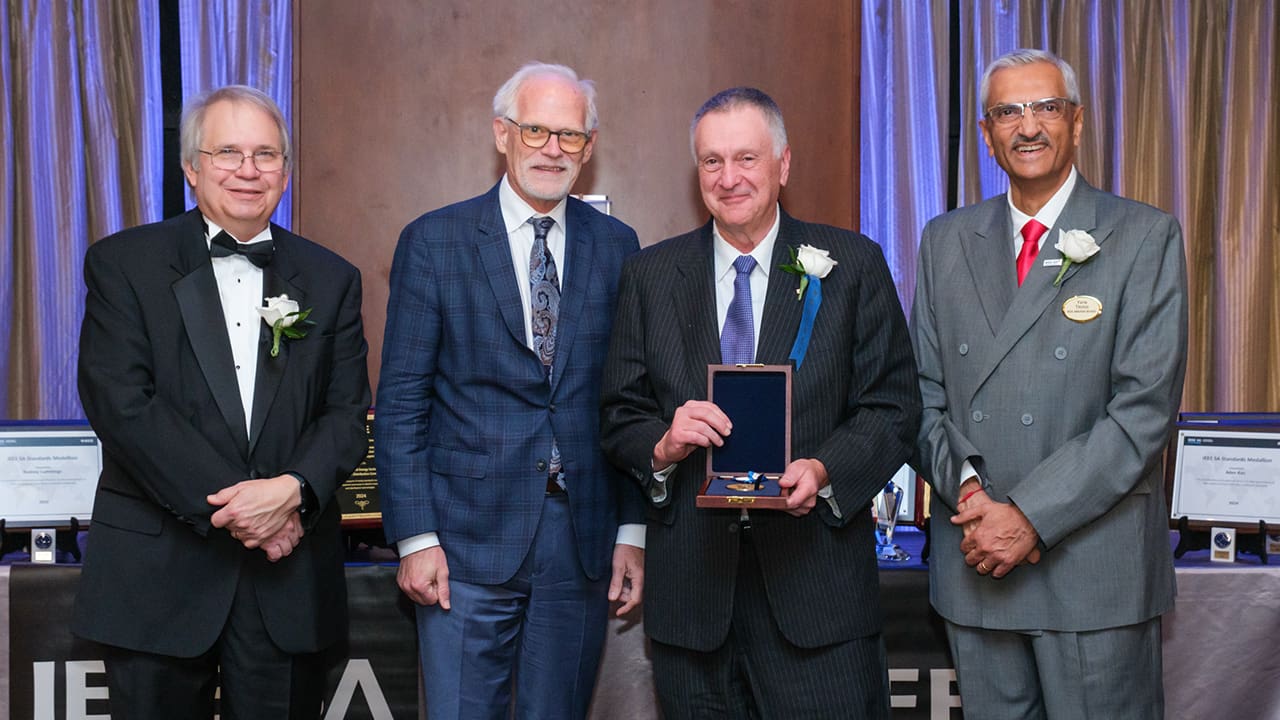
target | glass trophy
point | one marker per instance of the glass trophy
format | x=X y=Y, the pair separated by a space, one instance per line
x=887 y=504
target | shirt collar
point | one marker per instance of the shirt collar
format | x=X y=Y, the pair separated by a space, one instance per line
x=1048 y=214
x=214 y=229
x=725 y=253
x=516 y=212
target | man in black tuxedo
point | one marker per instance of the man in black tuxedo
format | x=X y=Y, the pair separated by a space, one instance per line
x=775 y=614
x=214 y=555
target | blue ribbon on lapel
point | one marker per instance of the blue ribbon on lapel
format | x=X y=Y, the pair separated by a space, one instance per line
x=812 y=299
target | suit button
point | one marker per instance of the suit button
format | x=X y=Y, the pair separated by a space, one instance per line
x=1027 y=419
x=1060 y=353
x=541 y=465
x=552 y=407
x=977 y=416
x=964 y=348
x=733 y=528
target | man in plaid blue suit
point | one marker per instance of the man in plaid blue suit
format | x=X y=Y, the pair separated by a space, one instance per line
x=514 y=533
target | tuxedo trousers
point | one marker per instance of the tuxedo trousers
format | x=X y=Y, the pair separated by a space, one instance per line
x=534 y=640
x=258 y=680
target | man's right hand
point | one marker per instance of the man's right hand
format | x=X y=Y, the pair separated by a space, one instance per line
x=697 y=423
x=424 y=577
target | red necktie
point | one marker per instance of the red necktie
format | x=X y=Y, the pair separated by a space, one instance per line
x=1031 y=233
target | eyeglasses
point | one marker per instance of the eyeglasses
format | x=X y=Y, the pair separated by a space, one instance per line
x=231 y=159
x=536 y=136
x=1047 y=109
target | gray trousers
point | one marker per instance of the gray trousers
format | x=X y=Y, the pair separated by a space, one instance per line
x=1047 y=675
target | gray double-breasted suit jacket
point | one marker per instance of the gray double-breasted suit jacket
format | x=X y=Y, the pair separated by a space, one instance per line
x=1066 y=419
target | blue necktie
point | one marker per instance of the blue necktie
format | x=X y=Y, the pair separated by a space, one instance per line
x=738 y=339
x=544 y=301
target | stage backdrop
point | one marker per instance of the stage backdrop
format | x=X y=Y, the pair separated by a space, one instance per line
x=393 y=107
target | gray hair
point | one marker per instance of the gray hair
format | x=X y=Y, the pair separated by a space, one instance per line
x=1026 y=56
x=734 y=98
x=192 y=129
x=504 y=102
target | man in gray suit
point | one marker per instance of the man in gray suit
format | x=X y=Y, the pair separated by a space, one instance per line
x=1051 y=369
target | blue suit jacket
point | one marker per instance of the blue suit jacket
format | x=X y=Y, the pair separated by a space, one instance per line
x=465 y=412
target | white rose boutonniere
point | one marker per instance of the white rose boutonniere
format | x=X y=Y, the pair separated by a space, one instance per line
x=1076 y=246
x=284 y=318
x=808 y=262
x=812 y=265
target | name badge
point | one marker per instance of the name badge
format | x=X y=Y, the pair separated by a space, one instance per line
x=1052 y=262
x=1082 y=308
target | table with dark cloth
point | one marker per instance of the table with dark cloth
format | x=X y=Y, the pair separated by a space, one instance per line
x=1218 y=653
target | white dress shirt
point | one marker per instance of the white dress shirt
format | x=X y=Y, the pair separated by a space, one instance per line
x=240 y=291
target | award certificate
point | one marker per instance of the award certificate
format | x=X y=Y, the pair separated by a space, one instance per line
x=47 y=474
x=1227 y=476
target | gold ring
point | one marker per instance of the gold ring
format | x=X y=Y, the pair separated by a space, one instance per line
x=982 y=566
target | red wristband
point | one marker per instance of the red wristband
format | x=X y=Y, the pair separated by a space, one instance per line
x=970 y=494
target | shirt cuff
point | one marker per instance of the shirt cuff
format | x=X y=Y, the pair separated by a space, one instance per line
x=411 y=545
x=658 y=492
x=631 y=534
x=827 y=494
x=968 y=473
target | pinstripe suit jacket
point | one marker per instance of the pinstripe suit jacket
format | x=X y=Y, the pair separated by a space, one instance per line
x=1066 y=419
x=465 y=415
x=855 y=408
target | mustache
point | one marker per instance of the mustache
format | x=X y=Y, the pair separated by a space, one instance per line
x=1021 y=139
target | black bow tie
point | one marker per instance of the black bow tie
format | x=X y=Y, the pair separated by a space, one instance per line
x=259 y=253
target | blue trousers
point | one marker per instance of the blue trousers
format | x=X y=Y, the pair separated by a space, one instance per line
x=537 y=636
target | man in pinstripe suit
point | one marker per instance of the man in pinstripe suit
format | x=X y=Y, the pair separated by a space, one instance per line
x=1050 y=389
x=775 y=614
x=496 y=491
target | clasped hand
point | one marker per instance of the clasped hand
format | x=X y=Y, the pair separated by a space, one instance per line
x=261 y=514
x=997 y=536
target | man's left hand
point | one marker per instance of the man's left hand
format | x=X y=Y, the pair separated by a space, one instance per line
x=280 y=545
x=627 y=584
x=254 y=510
x=1001 y=538
x=805 y=477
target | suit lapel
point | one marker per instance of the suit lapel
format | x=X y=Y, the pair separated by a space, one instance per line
x=578 y=253
x=196 y=292
x=695 y=306
x=1038 y=291
x=782 y=311
x=495 y=259
x=987 y=251
x=279 y=278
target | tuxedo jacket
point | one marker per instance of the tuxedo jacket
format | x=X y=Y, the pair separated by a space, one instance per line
x=1066 y=419
x=158 y=385
x=855 y=407
x=465 y=411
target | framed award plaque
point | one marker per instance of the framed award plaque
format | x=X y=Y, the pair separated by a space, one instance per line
x=358 y=496
x=1225 y=475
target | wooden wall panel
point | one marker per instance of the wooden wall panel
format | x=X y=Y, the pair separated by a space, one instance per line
x=393 y=107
